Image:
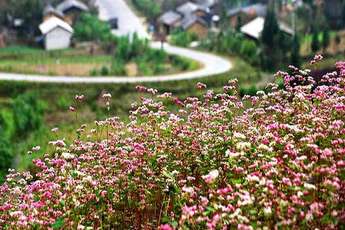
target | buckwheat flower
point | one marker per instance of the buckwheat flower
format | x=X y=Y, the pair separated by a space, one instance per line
x=252 y=178
x=309 y=186
x=243 y=146
x=211 y=176
x=189 y=190
x=229 y=153
x=79 y=97
x=267 y=211
x=72 y=109
x=67 y=155
x=58 y=143
x=200 y=85
x=265 y=148
x=165 y=227
x=317 y=58
x=106 y=96
x=36 y=148
x=238 y=135
x=54 y=130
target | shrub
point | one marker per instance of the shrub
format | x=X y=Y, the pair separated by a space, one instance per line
x=90 y=28
x=104 y=71
x=150 y=8
x=182 y=38
x=273 y=160
x=28 y=113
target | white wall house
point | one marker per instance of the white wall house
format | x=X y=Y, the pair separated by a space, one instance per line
x=57 y=34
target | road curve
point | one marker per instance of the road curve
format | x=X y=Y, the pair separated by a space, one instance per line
x=129 y=23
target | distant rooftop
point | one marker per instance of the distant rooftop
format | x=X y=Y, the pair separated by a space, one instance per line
x=49 y=9
x=170 y=17
x=68 y=4
x=258 y=9
x=187 y=8
x=190 y=20
x=255 y=27
x=52 y=23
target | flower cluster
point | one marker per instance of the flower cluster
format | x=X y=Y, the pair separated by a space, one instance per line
x=274 y=160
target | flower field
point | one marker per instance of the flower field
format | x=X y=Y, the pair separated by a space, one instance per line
x=274 y=160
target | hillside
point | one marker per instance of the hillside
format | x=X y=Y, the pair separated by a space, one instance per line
x=274 y=160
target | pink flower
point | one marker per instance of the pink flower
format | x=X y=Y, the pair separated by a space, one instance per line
x=211 y=176
x=165 y=227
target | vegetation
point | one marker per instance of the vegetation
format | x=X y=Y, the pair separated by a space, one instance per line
x=84 y=62
x=219 y=160
x=24 y=115
x=150 y=8
x=76 y=62
x=90 y=28
x=182 y=38
x=230 y=42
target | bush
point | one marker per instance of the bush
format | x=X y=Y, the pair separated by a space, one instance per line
x=274 y=160
x=182 y=38
x=150 y=8
x=104 y=71
x=90 y=28
x=28 y=113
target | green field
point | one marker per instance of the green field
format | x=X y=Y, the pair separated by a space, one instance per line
x=73 y=62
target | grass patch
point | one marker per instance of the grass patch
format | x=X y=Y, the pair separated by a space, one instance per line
x=77 y=62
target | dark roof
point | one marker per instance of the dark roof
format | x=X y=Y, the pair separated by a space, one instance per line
x=188 y=8
x=68 y=4
x=259 y=9
x=190 y=20
x=206 y=3
x=49 y=9
x=169 y=17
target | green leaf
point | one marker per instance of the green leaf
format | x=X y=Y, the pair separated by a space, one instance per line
x=58 y=223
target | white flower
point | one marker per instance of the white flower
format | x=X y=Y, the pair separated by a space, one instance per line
x=239 y=135
x=309 y=186
x=229 y=153
x=36 y=148
x=243 y=146
x=211 y=176
x=67 y=156
x=253 y=178
x=267 y=211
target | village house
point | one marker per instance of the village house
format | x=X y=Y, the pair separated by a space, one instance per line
x=57 y=34
x=169 y=21
x=254 y=28
x=71 y=9
x=195 y=25
x=242 y=15
x=194 y=17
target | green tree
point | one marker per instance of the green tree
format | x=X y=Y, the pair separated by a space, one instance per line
x=30 y=11
x=325 y=39
x=271 y=29
x=295 y=54
x=315 y=43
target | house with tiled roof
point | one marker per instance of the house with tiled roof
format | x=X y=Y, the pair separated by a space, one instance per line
x=241 y=15
x=195 y=17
